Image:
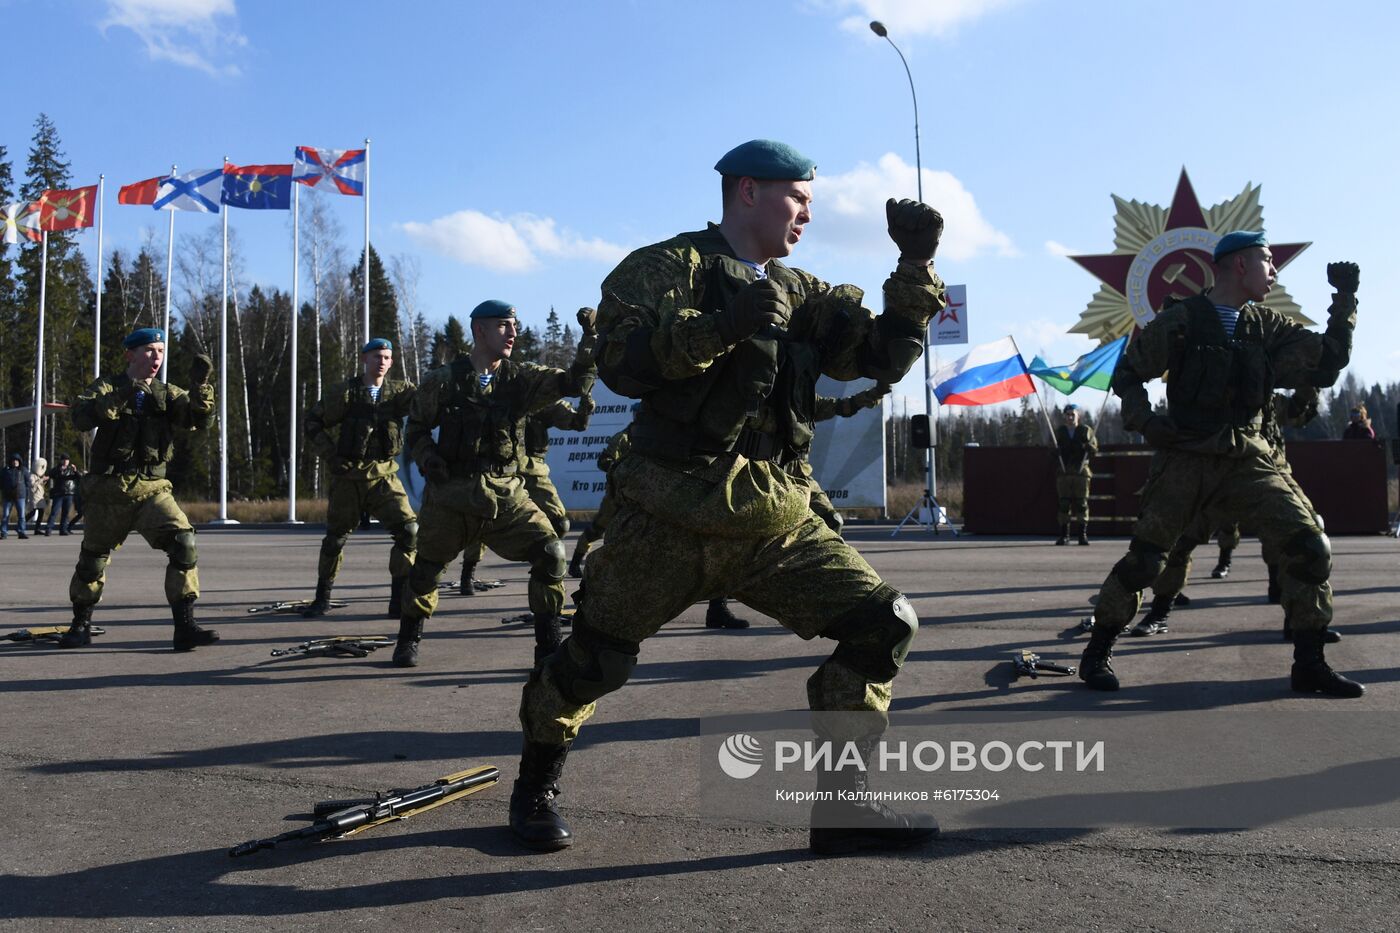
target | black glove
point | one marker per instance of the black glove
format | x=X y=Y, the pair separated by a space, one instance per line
x=588 y=321
x=434 y=469
x=915 y=228
x=871 y=396
x=1160 y=431
x=338 y=465
x=758 y=305
x=1344 y=276
x=200 y=369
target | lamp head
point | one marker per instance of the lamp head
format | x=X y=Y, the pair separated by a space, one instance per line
x=879 y=29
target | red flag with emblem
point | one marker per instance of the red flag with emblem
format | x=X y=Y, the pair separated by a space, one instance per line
x=67 y=210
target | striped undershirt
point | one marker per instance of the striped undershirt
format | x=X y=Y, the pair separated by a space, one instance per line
x=1229 y=317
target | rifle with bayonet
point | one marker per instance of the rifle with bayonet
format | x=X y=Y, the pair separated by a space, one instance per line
x=293 y=605
x=46 y=633
x=338 y=819
x=1028 y=663
x=339 y=646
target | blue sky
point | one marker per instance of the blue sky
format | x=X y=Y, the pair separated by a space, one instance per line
x=520 y=149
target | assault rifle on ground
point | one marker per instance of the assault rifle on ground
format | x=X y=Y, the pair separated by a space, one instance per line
x=336 y=819
x=294 y=605
x=1028 y=664
x=340 y=646
x=46 y=633
x=478 y=586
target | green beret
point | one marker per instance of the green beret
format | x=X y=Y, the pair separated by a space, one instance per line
x=768 y=160
x=143 y=336
x=1238 y=240
x=376 y=343
x=493 y=309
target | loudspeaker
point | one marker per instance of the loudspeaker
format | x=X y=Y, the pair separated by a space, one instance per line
x=919 y=434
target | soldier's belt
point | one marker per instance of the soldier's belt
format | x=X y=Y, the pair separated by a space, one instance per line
x=130 y=468
x=479 y=467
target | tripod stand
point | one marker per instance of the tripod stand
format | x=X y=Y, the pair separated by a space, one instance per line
x=926 y=512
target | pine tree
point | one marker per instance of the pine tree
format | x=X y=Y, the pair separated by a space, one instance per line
x=552 y=351
x=383 y=302
x=528 y=347
x=9 y=308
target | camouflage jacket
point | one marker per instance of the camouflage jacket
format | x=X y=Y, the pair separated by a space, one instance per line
x=141 y=442
x=348 y=422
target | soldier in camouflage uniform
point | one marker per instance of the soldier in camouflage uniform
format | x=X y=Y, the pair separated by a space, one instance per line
x=136 y=417
x=1075 y=446
x=475 y=491
x=1226 y=354
x=356 y=428
x=1294 y=410
x=534 y=469
x=723 y=344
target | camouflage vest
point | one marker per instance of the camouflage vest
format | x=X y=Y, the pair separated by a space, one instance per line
x=136 y=443
x=536 y=437
x=477 y=433
x=1216 y=381
x=369 y=431
x=758 y=400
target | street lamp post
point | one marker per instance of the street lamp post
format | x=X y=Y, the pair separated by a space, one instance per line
x=930 y=500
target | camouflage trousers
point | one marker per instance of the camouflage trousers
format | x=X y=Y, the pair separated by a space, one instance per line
x=1073 y=492
x=519 y=531
x=541 y=490
x=1183 y=488
x=821 y=503
x=808 y=579
x=384 y=498
x=114 y=507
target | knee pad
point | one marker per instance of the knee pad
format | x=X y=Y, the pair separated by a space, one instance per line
x=423 y=577
x=91 y=565
x=590 y=665
x=334 y=544
x=835 y=521
x=1308 y=557
x=1317 y=519
x=406 y=536
x=874 y=638
x=182 y=552
x=1140 y=566
x=549 y=560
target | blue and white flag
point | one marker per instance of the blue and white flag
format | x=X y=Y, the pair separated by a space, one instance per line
x=199 y=190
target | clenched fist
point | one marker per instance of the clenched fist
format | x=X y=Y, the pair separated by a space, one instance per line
x=588 y=321
x=756 y=306
x=200 y=369
x=1344 y=276
x=915 y=228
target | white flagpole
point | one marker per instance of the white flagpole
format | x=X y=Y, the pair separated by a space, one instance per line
x=292 y=408
x=1045 y=411
x=39 y=366
x=223 y=381
x=366 y=268
x=169 y=268
x=97 y=315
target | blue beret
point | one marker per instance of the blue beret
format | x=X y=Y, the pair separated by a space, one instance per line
x=1238 y=240
x=1071 y=407
x=767 y=159
x=376 y=343
x=143 y=336
x=493 y=309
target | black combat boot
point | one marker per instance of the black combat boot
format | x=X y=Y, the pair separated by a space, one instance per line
x=322 y=603
x=396 y=597
x=188 y=633
x=719 y=615
x=1096 y=666
x=80 y=632
x=1329 y=637
x=1155 y=622
x=846 y=819
x=468 y=585
x=1181 y=600
x=1222 y=569
x=1084 y=532
x=1064 y=535
x=410 y=634
x=534 y=818
x=548 y=635
x=1275 y=591
x=1312 y=673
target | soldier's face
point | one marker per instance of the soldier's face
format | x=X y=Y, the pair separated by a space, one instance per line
x=1071 y=419
x=377 y=362
x=144 y=362
x=781 y=210
x=496 y=336
x=1259 y=273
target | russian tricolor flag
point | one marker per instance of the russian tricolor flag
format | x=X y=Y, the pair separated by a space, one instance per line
x=993 y=372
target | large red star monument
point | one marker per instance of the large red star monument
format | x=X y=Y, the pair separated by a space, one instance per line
x=1164 y=254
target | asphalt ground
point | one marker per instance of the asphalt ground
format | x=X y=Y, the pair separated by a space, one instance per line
x=129 y=771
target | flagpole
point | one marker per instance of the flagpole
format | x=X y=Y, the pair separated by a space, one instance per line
x=223 y=382
x=97 y=315
x=36 y=436
x=292 y=408
x=366 y=267
x=1048 y=423
x=169 y=268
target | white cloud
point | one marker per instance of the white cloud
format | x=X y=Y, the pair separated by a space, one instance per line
x=935 y=18
x=1059 y=249
x=192 y=33
x=507 y=244
x=1049 y=339
x=849 y=209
